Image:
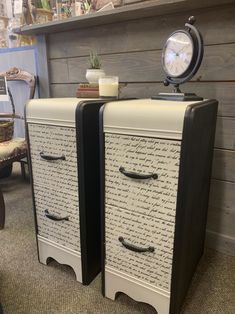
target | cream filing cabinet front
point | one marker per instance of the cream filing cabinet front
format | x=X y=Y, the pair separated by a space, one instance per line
x=63 y=144
x=156 y=164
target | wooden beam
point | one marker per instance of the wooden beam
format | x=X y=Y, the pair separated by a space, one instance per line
x=42 y=67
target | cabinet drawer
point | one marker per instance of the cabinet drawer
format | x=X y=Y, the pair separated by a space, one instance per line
x=152 y=197
x=59 y=205
x=55 y=182
x=141 y=231
x=54 y=141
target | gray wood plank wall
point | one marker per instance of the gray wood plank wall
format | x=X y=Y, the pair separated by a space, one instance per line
x=132 y=50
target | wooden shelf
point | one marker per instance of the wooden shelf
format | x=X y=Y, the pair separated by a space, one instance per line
x=124 y=13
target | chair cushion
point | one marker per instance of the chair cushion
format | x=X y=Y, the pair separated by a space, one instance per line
x=12 y=148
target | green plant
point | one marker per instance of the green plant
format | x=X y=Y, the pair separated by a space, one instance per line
x=94 y=61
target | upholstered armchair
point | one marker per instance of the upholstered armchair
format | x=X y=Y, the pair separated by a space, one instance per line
x=13 y=149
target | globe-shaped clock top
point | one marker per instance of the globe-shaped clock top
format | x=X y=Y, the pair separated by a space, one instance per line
x=177 y=54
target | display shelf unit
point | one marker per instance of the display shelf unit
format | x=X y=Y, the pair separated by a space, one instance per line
x=124 y=13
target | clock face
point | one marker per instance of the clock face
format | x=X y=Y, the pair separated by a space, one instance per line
x=177 y=54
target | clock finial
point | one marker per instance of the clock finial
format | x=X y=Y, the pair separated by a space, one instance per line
x=191 y=20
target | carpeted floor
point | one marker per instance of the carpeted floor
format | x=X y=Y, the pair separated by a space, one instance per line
x=28 y=287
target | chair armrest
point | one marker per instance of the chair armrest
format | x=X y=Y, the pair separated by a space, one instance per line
x=10 y=115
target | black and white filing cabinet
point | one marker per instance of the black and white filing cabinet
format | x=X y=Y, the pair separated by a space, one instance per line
x=156 y=166
x=63 y=138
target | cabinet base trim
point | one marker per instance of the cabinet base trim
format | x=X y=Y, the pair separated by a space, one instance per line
x=62 y=255
x=117 y=282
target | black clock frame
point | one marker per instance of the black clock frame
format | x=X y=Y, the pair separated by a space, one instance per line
x=195 y=63
x=192 y=69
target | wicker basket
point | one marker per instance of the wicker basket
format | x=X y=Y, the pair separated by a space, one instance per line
x=44 y=16
x=7 y=126
x=6 y=130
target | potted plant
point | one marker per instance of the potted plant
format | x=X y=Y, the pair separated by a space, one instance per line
x=94 y=72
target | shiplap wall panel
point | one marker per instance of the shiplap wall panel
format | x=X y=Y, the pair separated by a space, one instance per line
x=225 y=133
x=221 y=213
x=63 y=90
x=145 y=66
x=131 y=35
x=224 y=165
x=221 y=221
x=132 y=50
x=222 y=195
x=221 y=242
x=128 y=66
x=59 y=71
x=224 y=92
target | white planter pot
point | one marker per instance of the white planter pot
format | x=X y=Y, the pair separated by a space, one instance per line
x=93 y=75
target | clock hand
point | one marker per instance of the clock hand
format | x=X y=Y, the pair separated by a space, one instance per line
x=180 y=50
x=172 y=50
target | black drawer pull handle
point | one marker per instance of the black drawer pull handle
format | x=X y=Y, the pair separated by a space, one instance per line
x=53 y=217
x=51 y=157
x=135 y=175
x=135 y=248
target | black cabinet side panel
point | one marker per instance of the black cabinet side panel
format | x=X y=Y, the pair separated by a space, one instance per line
x=192 y=199
x=31 y=179
x=87 y=121
x=102 y=199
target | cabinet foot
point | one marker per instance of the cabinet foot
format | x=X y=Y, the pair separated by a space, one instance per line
x=62 y=255
x=117 y=282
